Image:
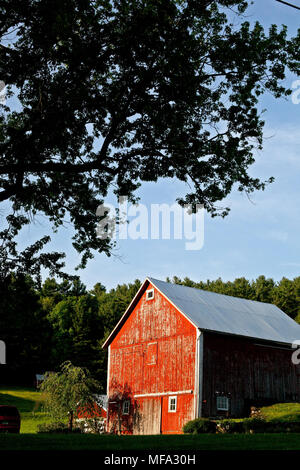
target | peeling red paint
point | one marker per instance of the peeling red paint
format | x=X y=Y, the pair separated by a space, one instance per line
x=94 y=411
x=153 y=353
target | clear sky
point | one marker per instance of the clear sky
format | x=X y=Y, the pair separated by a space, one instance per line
x=260 y=236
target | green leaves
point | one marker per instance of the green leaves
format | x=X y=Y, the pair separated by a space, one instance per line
x=67 y=389
x=116 y=93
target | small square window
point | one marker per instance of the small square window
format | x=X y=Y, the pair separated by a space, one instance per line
x=150 y=294
x=126 y=407
x=172 y=404
x=223 y=403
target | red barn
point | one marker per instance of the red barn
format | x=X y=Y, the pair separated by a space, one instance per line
x=97 y=410
x=179 y=353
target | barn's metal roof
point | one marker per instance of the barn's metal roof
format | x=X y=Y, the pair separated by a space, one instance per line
x=102 y=400
x=231 y=315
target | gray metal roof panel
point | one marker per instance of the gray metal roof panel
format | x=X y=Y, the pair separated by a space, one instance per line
x=231 y=315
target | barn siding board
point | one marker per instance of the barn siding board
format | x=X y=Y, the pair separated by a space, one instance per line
x=246 y=372
x=148 y=420
x=172 y=423
x=153 y=321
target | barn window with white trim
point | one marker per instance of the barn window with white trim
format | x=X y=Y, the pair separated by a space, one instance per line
x=172 y=404
x=150 y=294
x=223 y=403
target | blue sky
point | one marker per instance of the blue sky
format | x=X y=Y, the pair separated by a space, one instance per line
x=260 y=236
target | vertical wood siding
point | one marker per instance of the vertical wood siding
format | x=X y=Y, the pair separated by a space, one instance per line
x=153 y=353
x=247 y=373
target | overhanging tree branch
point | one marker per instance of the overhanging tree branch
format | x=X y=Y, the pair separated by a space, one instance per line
x=158 y=81
x=289 y=4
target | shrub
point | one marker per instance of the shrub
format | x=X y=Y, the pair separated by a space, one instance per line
x=230 y=426
x=199 y=426
x=246 y=425
x=254 y=425
x=290 y=426
x=56 y=428
x=92 y=425
x=283 y=426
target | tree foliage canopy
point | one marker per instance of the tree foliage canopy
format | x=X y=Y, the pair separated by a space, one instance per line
x=67 y=389
x=111 y=94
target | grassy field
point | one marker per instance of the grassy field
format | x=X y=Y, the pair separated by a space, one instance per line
x=282 y=412
x=150 y=443
x=30 y=401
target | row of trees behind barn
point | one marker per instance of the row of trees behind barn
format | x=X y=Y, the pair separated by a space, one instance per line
x=44 y=325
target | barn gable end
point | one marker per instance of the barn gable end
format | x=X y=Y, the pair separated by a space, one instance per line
x=152 y=357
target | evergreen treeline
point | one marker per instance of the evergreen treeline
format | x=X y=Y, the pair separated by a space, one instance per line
x=43 y=327
x=58 y=321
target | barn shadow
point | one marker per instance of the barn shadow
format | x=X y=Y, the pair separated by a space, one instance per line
x=123 y=410
x=23 y=404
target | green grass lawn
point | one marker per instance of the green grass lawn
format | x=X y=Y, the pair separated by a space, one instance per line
x=29 y=403
x=150 y=443
x=282 y=412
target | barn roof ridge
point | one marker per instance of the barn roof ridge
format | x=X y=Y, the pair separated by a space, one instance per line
x=221 y=313
x=211 y=292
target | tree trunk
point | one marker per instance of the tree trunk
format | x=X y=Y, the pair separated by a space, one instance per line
x=70 y=421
